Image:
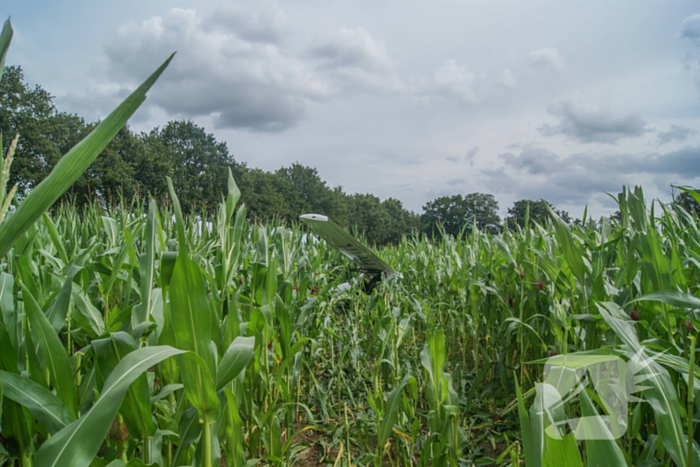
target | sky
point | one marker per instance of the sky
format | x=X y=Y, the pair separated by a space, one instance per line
x=563 y=101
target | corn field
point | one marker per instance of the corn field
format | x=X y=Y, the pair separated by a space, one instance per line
x=132 y=335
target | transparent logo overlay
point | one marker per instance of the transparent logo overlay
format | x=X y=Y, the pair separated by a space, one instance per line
x=610 y=381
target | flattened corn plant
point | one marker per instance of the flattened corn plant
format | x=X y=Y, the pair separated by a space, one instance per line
x=132 y=335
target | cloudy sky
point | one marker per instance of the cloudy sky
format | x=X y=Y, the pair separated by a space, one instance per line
x=561 y=100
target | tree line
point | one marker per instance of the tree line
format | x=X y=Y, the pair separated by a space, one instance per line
x=136 y=164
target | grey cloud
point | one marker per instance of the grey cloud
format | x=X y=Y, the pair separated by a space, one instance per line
x=470 y=155
x=456 y=181
x=675 y=133
x=241 y=84
x=548 y=58
x=452 y=158
x=539 y=173
x=533 y=160
x=356 y=61
x=592 y=126
x=690 y=28
x=237 y=67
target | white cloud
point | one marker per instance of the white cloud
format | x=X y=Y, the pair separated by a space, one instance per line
x=456 y=82
x=268 y=23
x=507 y=79
x=548 y=58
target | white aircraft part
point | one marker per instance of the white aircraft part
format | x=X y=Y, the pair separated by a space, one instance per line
x=346 y=244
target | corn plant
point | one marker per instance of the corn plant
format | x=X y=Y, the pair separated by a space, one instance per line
x=131 y=334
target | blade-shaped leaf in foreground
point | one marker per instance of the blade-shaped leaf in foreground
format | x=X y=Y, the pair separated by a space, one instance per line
x=236 y=358
x=602 y=451
x=659 y=392
x=71 y=166
x=136 y=408
x=670 y=297
x=5 y=39
x=191 y=319
x=48 y=409
x=142 y=311
x=532 y=433
x=391 y=411
x=78 y=443
x=53 y=352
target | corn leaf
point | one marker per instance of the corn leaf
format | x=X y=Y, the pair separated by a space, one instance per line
x=48 y=409
x=5 y=39
x=52 y=351
x=78 y=443
x=235 y=360
x=71 y=166
x=191 y=319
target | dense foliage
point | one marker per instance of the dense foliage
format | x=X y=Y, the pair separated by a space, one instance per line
x=354 y=371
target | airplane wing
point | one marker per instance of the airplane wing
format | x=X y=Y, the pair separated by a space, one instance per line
x=348 y=245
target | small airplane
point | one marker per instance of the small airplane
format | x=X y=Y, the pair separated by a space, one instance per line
x=369 y=263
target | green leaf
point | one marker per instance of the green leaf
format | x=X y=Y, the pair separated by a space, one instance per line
x=48 y=409
x=5 y=39
x=58 y=310
x=89 y=311
x=660 y=391
x=142 y=311
x=7 y=282
x=190 y=429
x=601 y=452
x=234 y=431
x=570 y=250
x=179 y=220
x=670 y=297
x=236 y=358
x=136 y=408
x=119 y=261
x=531 y=432
x=78 y=443
x=8 y=355
x=55 y=238
x=52 y=352
x=562 y=452
x=191 y=319
x=391 y=412
x=71 y=166
x=166 y=391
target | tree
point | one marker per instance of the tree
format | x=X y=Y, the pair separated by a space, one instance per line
x=113 y=172
x=197 y=163
x=686 y=201
x=400 y=220
x=264 y=195
x=538 y=212
x=368 y=219
x=455 y=213
x=309 y=193
x=45 y=134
